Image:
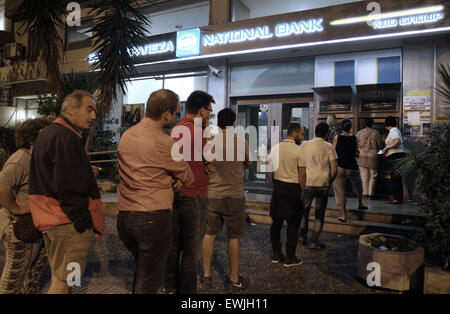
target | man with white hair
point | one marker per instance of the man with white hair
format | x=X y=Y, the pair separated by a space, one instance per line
x=64 y=197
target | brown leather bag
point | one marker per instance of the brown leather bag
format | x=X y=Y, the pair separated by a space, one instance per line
x=24 y=228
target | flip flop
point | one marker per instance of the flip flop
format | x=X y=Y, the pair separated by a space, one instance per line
x=341 y=219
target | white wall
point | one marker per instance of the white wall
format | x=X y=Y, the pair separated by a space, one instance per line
x=217 y=87
x=180 y=18
x=259 y=8
x=365 y=66
x=138 y=91
x=239 y=11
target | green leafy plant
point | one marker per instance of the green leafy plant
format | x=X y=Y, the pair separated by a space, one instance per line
x=48 y=106
x=105 y=141
x=433 y=187
x=51 y=106
x=433 y=180
x=120 y=27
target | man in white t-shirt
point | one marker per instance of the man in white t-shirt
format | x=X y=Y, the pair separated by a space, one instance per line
x=286 y=203
x=318 y=157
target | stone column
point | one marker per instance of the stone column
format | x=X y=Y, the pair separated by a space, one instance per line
x=219 y=12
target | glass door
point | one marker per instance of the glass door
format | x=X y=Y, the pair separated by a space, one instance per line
x=255 y=118
x=270 y=120
x=295 y=113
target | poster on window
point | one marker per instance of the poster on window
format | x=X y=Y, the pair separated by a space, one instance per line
x=132 y=114
x=417 y=113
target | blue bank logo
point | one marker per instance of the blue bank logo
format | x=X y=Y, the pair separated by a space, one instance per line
x=188 y=43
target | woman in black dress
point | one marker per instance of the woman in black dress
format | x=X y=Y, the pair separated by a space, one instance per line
x=347 y=150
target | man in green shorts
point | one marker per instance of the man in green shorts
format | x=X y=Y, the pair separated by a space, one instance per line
x=225 y=199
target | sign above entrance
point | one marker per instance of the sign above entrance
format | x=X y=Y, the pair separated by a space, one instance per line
x=295 y=30
x=409 y=17
x=264 y=32
x=327 y=25
x=153 y=49
x=188 y=43
x=159 y=47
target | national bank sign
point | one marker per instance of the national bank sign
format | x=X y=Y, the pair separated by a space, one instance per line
x=306 y=28
x=263 y=32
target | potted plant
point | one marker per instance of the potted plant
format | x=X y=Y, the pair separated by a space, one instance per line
x=390 y=261
x=433 y=189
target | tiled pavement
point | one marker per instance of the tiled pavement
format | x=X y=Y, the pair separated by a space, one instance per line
x=333 y=270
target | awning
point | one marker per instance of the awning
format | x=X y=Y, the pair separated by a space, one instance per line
x=385 y=87
x=347 y=89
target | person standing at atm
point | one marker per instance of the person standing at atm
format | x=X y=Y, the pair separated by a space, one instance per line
x=393 y=151
x=335 y=128
x=347 y=151
x=369 y=143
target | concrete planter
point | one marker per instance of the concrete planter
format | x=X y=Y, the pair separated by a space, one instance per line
x=437 y=280
x=401 y=271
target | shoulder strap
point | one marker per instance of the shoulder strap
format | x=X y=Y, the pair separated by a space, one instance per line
x=186 y=123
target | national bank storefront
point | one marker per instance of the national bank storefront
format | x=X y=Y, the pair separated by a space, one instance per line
x=354 y=60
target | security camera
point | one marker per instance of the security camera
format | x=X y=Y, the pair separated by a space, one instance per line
x=214 y=71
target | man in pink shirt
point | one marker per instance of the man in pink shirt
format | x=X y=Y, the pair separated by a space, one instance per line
x=148 y=177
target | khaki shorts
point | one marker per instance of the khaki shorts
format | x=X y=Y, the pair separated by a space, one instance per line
x=228 y=210
x=66 y=245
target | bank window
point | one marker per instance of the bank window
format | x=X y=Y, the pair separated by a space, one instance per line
x=79 y=36
x=388 y=70
x=344 y=73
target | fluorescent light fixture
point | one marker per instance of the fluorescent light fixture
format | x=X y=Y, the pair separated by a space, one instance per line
x=311 y=44
x=436 y=8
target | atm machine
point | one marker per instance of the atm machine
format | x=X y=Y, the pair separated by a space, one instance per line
x=379 y=101
x=336 y=100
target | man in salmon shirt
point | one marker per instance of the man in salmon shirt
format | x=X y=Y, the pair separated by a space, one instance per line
x=148 y=178
x=189 y=208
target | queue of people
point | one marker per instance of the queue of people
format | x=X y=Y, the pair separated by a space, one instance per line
x=171 y=209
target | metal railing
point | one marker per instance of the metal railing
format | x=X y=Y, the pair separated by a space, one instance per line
x=102 y=153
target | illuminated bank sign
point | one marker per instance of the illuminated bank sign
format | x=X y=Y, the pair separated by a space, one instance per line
x=408 y=20
x=263 y=32
x=164 y=49
x=188 y=43
x=298 y=28
x=419 y=16
x=153 y=49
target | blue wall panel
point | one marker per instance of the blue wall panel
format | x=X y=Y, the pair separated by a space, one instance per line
x=344 y=73
x=389 y=70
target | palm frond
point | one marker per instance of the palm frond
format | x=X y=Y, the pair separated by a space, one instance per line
x=121 y=27
x=444 y=88
x=405 y=165
x=78 y=81
x=41 y=20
